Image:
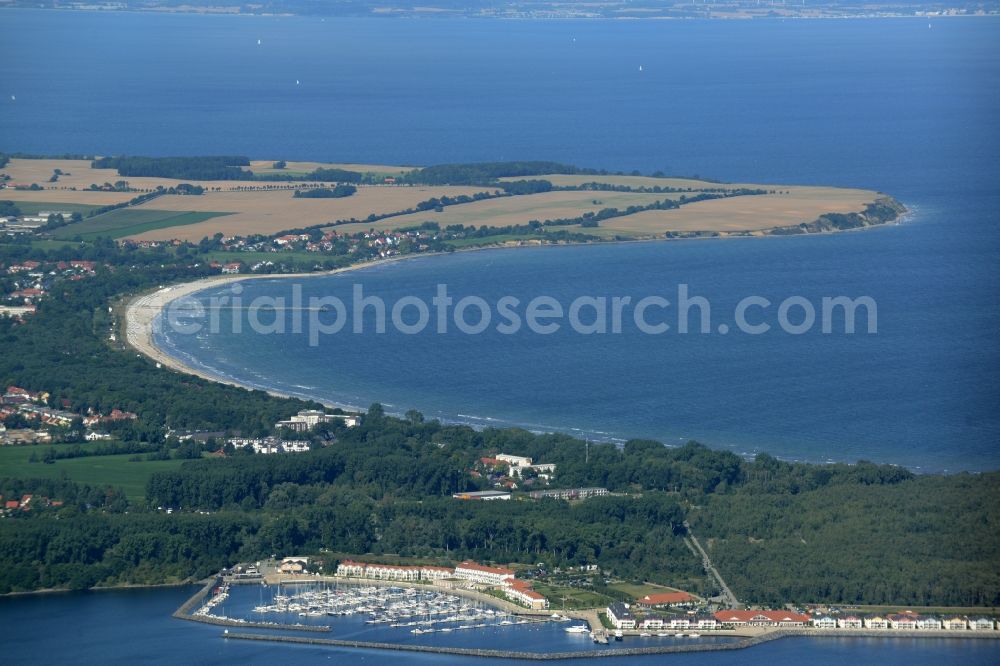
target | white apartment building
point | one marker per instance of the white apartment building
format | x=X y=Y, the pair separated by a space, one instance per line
x=479 y=573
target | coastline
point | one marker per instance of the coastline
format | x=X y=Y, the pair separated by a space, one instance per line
x=103 y=588
x=141 y=311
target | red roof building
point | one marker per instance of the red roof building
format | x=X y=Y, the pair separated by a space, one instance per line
x=761 y=618
x=665 y=599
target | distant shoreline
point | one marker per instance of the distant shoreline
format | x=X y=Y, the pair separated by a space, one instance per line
x=431 y=14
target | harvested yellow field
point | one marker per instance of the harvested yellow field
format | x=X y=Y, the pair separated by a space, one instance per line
x=66 y=196
x=82 y=176
x=264 y=167
x=274 y=211
x=746 y=213
x=506 y=211
x=561 y=180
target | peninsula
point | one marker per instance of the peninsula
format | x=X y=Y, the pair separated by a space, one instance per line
x=280 y=216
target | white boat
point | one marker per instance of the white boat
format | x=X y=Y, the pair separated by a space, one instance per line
x=645 y=634
x=694 y=635
x=578 y=629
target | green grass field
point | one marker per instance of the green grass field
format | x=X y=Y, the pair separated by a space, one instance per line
x=35 y=207
x=53 y=244
x=254 y=257
x=498 y=238
x=96 y=470
x=639 y=591
x=130 y=221
x=571 y=598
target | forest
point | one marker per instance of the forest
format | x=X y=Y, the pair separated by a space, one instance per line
x=183 y=168
x=484 y=173
x=338 y=192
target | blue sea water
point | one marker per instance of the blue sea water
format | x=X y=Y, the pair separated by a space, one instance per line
x=129 y=627
x=884 y=104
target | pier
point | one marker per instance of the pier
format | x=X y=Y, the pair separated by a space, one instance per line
x=186 y=611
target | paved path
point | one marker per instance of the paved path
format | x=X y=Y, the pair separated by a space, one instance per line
x=710 y=568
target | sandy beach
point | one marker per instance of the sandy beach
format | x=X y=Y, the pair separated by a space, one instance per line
x=142 y=312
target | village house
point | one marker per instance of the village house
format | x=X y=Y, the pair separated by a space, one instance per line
x=47 y=415
x=954 y=623
x=850 y=622
x=17 y=395
x=293 y=564
x=114 y=416
x=681 y=622
x=651 y=622
x=904 y=621
x=25 y=436
x=928 y=622
x=232 y=268
x=665 y=599
x=391 y=572
x=24 y=267
x=876 y=622
x=351 y=569
x=270 y=445
x=436 y=573
x=88 y=266
x=620 y=616
x=28 y=295
x=981 y=623
x=824 y=622
x=706 y=622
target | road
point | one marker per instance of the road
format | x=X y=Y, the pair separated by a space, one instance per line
x=727 y=594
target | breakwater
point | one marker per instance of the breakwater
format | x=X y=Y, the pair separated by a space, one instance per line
x=610 y=652
x=504 y=654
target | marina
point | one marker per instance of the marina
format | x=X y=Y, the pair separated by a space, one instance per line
x=401 y=617
x=417 y=611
